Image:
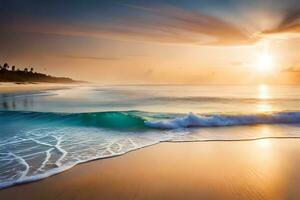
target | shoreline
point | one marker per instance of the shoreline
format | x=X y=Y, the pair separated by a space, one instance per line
x=6 y=87
x=211 y=165
x=55 y=172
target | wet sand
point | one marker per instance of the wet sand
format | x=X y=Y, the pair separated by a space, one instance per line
x=12 y=87
x=262 y=169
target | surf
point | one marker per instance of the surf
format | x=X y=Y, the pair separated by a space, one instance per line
x=127 y=120
x=192 y=120
x=58 y=141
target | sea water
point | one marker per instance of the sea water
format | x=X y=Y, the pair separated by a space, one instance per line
x=46 y=132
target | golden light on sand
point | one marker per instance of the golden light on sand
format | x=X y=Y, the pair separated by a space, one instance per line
x=264 y=144
x=265 y=131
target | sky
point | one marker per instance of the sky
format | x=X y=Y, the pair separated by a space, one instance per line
x=155 y=42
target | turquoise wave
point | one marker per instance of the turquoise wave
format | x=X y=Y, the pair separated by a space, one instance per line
x=132 y=120
x=35 y=145
x=111 y=120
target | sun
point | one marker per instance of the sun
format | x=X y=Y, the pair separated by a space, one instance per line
x=264 y=63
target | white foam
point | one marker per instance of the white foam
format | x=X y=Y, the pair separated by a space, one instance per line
x=48 y=156
x=61 y=168
x=74 y=145
x=59 y=148
x=23 y=162
x=26 y=179
x=193 y=120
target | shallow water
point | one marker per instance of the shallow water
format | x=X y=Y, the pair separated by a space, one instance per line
x=47 y=132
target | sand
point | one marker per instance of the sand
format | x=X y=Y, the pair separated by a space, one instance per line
x=12 y=87
x=262 y=169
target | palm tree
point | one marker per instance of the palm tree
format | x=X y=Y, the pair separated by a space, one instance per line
x=5 y=66
x=26 y=70
x=13 y=68
x=31 y=70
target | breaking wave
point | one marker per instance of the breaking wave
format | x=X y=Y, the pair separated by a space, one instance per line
x=193 y=120
x=135 y=120
x=35 y=145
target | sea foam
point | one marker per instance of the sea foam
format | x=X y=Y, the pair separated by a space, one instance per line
x=35 y=145
x=193 y=120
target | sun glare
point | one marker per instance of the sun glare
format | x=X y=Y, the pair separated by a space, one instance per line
x=263 y=91
x=264 y=63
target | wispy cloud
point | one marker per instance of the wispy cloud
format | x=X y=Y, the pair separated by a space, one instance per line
x=290 y=23
x=195 y=27
x=93 y=58
x=106 y=58
x=292 y=70
x=164 y=24
x=239 y=63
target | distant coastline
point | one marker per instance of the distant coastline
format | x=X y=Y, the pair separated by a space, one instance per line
x=26 y=75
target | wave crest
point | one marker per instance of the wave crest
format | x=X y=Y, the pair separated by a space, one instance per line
x=131 y=120
x=193 y=120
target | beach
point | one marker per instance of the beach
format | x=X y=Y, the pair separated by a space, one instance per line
x=30 y=87
x=124 y=142
x=150 y=100
x=258 y=169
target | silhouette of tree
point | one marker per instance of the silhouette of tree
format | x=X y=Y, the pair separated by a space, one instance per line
x=28 y=74
x=5 y=66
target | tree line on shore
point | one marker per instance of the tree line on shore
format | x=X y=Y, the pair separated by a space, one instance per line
x=6 y=67
x=13 y=74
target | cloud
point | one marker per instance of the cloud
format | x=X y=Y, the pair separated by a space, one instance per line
x=106 y=58
x=92 y=58
x=168 y=24
x=289 y=24
x=197 y=27
x=292 y=70
x=238 y=63
x=163 y=24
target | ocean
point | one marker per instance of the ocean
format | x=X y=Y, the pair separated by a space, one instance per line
x=47 y=132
